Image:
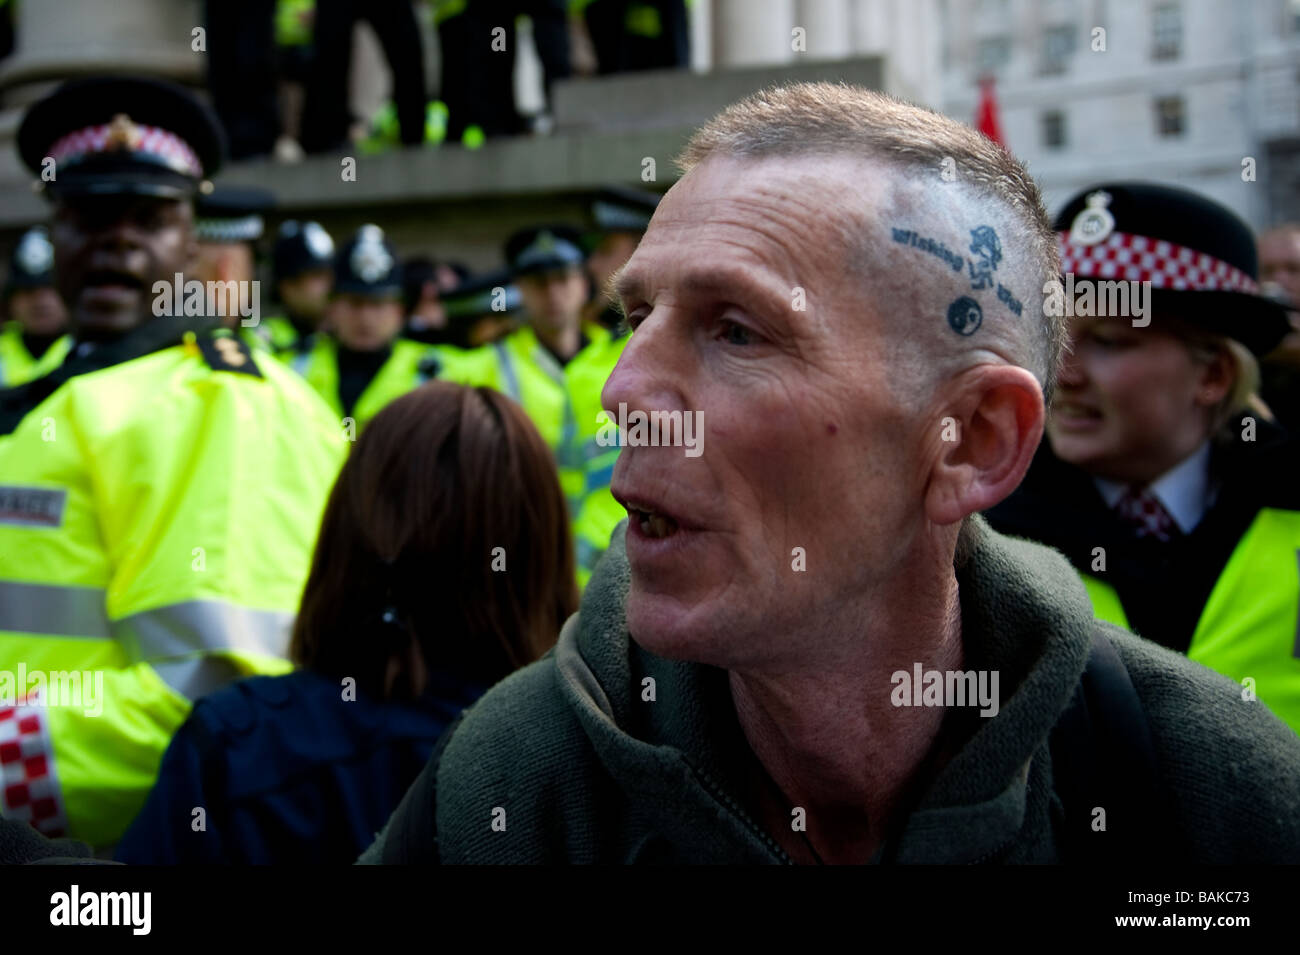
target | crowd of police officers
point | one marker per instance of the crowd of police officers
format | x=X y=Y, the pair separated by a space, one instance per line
x=161 y=477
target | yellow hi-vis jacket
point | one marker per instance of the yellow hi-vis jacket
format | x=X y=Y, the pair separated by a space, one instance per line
x=405 y=370
x=1249 y=626
x=19 y=366
x=157 y=521
x=278 y=334
x=564 y=404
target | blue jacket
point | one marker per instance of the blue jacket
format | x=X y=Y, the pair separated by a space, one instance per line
x=287 y=771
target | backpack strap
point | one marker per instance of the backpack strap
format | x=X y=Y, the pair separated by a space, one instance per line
x=1104 y=757
x=412 y=838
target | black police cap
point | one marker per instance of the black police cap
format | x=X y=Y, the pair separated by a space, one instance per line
x=1199 y=257
x=544 y=248
x=301 y=247
x=232 y=214
x=367 y=265
x=623 y=209
x=122 y=135
x=475 y=296
x=31 y=264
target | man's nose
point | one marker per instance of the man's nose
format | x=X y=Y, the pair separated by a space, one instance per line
x=649 y=373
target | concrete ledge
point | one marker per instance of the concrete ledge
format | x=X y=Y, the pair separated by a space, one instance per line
x=501 y=169
x=452 y=202
x=680 y=98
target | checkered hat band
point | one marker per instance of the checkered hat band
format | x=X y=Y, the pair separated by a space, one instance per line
x=1139 y=258
x=169 y=149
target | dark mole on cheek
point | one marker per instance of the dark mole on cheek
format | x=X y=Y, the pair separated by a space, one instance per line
x=831 y=427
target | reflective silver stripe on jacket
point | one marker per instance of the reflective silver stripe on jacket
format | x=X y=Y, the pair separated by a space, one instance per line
x=508 y=370
x=198 y=676
x=172 y=631
x=52 y=610
x=180 y=629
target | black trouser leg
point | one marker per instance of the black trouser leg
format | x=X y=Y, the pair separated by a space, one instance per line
x=326 y=114
x=240 y=39
x=551 y=37
x=395 y=25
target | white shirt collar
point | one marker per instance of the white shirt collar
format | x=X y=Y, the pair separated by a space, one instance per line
x=1184 y=490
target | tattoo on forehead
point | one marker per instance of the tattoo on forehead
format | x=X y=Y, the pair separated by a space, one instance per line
x=965 y=314
x=927 y=244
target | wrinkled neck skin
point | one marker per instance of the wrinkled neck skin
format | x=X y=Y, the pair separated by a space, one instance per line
x=828 y=734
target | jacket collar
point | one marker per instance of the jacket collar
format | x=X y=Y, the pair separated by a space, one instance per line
x=684 y=756
x=161 y=332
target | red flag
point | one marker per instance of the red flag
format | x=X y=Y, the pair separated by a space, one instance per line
x=986 y=113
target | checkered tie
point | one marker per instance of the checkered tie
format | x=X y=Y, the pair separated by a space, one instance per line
x=1143 y=511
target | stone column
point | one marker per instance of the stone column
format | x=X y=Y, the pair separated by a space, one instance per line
x=752 y=32
x=58 y=39
x=828 y=28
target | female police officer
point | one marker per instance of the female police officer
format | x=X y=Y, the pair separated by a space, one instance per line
x=1181 y=512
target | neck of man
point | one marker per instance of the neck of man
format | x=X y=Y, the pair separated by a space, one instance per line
x=828 y=734
x=563 y=341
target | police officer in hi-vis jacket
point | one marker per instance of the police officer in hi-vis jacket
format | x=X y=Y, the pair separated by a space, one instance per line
x=1160 y=478
x=160 y=491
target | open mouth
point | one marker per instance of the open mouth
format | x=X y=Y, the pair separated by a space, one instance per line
x=652 y=523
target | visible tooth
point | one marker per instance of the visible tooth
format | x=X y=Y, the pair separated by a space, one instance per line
x=660 y=526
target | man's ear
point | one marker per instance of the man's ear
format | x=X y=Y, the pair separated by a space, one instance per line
x=987 y=438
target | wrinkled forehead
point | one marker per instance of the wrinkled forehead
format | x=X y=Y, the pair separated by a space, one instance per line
x=799 y=218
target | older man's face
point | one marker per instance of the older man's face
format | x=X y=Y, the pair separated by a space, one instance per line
x=809 y=486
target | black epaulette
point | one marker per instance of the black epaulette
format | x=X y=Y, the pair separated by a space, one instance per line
x=226 y=352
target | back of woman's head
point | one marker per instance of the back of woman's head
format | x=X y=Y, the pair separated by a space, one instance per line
x=444 y=545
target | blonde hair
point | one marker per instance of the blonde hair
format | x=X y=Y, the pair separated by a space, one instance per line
x=1206 y=347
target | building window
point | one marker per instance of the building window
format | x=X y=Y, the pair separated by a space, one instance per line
x=1054 y=129
x=1166 y=31
x=992 y=54
x=1058 y=45
x=1169 y=116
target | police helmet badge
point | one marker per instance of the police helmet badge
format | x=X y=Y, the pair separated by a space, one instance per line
x=35 y=254
x=123 y=133
x=318 y=240
x=1095 y=222
x=370 y=260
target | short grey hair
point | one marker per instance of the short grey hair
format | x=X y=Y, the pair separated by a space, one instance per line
x=839 y=119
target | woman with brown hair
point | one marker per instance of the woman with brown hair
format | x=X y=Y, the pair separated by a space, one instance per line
x=443 y=564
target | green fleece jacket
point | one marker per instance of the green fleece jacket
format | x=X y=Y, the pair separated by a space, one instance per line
x=564 y=762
